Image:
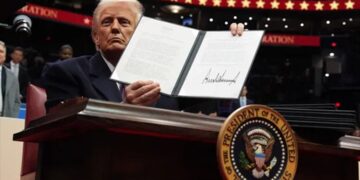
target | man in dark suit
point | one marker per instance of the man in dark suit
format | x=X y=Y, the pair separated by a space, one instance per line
x=20 y=71
x=113 y=24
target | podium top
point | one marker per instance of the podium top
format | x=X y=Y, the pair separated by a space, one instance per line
x=82 y=115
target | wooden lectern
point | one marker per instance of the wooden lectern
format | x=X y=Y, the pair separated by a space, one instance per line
x=97 y=140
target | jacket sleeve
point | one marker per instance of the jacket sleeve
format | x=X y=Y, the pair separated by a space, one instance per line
x=16 y=107
x=60 y=85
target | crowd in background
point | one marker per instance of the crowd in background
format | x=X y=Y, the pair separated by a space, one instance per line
x=18 y=68
x=32 y=63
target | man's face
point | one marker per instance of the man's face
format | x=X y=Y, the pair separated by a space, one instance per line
x=66 y=53
x=17 y=56
x=2 y=54
x=115 y=25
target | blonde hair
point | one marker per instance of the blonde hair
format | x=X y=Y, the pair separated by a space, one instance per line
x=2 y=43
x=138 y=9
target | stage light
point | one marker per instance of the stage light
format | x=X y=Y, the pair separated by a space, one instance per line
x=333 y=44
x=174 y=9
x=337 y=104
x=187 y=21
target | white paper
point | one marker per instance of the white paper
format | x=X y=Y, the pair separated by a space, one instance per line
x=221 y=66
x=157 y=51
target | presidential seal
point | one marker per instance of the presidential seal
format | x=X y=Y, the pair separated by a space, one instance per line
x=256 y=142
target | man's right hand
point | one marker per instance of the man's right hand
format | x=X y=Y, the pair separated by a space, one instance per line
x=145 y=93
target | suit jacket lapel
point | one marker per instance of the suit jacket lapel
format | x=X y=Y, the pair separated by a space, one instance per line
x=22 y=73
x=3 y=81
x=100 y=77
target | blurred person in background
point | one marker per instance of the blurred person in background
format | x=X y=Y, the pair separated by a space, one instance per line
x=20 y=70
x=65 y=52
x=9 y=88
x=226 y=107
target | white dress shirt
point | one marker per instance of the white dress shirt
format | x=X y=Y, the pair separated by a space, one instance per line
x=112 y=68
x=14 y=68
x=242 y=101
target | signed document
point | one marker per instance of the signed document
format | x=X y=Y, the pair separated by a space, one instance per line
x=188 y=62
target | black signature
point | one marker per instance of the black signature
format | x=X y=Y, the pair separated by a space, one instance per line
x=219 y=78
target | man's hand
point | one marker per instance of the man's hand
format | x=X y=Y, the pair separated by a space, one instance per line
x=145 y=93
x=237 y=29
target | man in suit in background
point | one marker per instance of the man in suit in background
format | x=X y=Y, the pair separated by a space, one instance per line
x=20 y=71
x=226 y=107
x=65 y=52
x=9 y=88
x=114 y=21
x=243 y=100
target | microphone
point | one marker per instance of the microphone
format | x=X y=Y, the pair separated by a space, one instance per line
x=22 y=25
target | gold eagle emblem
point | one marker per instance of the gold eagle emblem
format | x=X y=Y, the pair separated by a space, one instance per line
x=259 y=144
